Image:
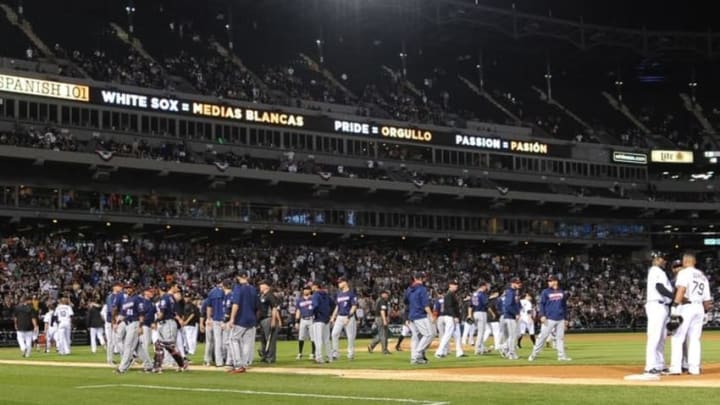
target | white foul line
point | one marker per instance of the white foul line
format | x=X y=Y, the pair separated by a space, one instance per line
x=266 y=393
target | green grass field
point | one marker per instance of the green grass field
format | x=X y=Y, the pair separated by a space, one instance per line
x=36 y=384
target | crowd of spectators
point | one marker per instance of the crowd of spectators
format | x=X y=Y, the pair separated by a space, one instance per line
x=394 y=169
x=605 y=292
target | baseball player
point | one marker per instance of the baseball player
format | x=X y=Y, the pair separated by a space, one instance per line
x=676 y=267
x=228 y=288
x=214 y=318
x=322 y=307
x=419 y=315
x=437 y=315
x=656 y=291
x=450 y=314
x=270 y=322
x=527 y=320
x=95 y=325
x=382 y=319
x=468 y=326
x=343 y=318
x=478 y=310
x=692 y=299
x=25 y=324
x=553 y=314
x=64 y=314
x=50 y=321
x=167 y=321
x=404 y=332
x=146 y=329
x=242 y=323
x=304 y=321
x=510 y=317
x=190 y=320
x=180 y=305
x=113 y=303
x=131 y=315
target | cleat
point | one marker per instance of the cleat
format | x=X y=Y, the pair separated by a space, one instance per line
x=157 y=371
x=370 y=349
x=117 y=371
x=238 y=370
x=566 y=359
x=299 y=356
x=461 y=355
x=419 y=361
x=531 y=358
x=386 y=353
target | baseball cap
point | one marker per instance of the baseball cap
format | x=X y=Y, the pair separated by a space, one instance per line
x=515 y=280
x=418 y=275
x=265 y=281
x=227 y=283
x=129 y=285
x=453 y=282
x=317 y=282
x=342 y=279
x=677 y=263
x=552 y=277
x=655 y=255
x=163 y=286
x=243 y=274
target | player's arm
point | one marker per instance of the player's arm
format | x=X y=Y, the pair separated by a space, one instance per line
x=679 y=295
x=208 y=313
x=663 y=290
x=275 y=320
x=334 y=314
x=707 y=305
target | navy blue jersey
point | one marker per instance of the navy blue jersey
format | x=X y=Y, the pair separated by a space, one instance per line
x=553 y=304
x=215 y=301
x=479 y=301
x=345 y=301
x=166 y=307
x=246 y=297
x=416 y=299
x=322 y=306
x=132 y=308
x=305 y=306
x=511 y=304
x=149 y=312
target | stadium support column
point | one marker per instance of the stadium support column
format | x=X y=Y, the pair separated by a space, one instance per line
x=130 y=9
x=229 y=26
x=548 y=78
x=480 y=72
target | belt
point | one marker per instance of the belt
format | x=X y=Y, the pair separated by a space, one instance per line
x=481 y=310
x=129 y=321
x=307 y=318
x=658 y=302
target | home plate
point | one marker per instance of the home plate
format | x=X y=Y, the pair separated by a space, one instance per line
x=642 y=377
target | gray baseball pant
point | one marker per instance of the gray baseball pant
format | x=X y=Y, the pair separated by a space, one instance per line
x=350 y=333
x=548 y=328
x=511 y=327
x=240 y=339
x=480 y=324
x=321 y=336
x=423 y=332
x=130 y=341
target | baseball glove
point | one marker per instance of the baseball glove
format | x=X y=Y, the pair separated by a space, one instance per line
x=469 y=320
x=674 y=323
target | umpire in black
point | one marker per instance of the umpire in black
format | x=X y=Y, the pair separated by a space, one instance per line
x=269 y=320
x=382 y=320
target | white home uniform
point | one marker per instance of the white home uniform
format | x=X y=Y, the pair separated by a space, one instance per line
x=697 y=290
x=50 y=330
x=527 y=324
x=64 y=314
x=657 y=314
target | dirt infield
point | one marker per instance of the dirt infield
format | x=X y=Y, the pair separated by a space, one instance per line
x=563 y=375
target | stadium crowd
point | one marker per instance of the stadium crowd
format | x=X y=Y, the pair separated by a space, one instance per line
x=605 y=292
x=392 y=167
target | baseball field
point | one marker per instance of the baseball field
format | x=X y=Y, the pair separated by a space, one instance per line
x=595 y=375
